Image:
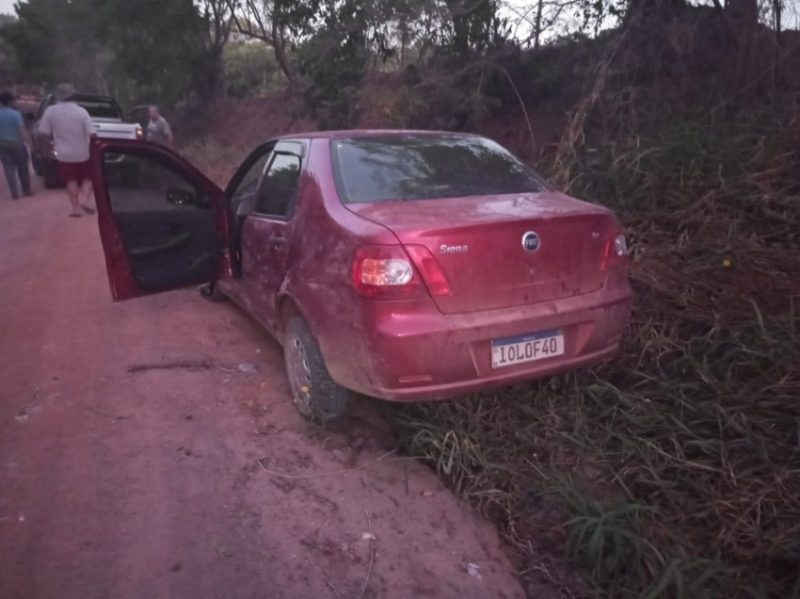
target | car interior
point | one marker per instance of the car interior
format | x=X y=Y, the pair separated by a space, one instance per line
x=167 y=223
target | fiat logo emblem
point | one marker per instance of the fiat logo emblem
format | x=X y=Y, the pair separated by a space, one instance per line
x=531 y=241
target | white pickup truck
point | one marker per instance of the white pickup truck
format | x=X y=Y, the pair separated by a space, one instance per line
x=109 y=122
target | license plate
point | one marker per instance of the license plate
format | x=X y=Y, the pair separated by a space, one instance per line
x=526 y=348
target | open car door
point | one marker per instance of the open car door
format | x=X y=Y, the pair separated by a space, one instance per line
x=163 y=224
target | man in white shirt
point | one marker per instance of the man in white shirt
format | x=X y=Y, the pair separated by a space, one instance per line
x=158 y=129
x=72 y=130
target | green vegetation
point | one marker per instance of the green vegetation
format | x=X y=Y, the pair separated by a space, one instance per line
x=250 y=69
x=675 y=469
x=136 y=51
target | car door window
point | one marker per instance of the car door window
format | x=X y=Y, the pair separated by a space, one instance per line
x=242 y=193
x=166 y=222
x=246 y=188
x=278 y=187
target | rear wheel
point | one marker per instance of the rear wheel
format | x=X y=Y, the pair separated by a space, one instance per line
x=315 y=394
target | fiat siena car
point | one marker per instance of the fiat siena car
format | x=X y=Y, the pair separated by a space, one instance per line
x=404 y=265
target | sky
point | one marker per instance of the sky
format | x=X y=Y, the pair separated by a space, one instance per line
x=7 y=6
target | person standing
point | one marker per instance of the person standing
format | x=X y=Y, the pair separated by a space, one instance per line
x=13 y=151
x=158 y=129
x=72 y=129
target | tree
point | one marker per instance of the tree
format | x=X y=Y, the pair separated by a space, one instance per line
x=8 y=56
x=250 y=68
x=148 y=50
x=217 y=19
x=157 y=45
x=333 y=62
x=55 y=40
x=280 y=24
x=473 y=26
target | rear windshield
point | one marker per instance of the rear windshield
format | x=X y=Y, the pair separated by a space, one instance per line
x=101 y=109
x=416 y=167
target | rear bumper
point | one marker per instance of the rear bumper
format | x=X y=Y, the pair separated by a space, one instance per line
x=453 y=389
x=418 y=353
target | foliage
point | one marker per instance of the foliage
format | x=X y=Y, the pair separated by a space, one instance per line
x=9 y=64
x=250 y=69
x=139 y=51
x=54 y=38
x=333 y=61
x=155 y=44
x=325 y=47
x=677 y=466
x=473 y=27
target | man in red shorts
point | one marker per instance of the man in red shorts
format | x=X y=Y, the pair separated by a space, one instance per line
x=72 y=130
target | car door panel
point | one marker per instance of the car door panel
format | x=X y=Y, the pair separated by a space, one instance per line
x=170 y=250
x=264 y=261
x=162 y=223
x=265 y=239
x=162 y=238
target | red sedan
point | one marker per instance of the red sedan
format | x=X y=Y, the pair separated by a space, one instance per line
x=405 y=265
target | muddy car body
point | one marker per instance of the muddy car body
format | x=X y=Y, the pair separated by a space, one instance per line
x=399 y=264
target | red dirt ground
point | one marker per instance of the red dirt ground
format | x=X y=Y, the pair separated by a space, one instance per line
x=137 y=460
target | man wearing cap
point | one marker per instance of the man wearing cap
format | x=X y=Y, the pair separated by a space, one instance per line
x=72 y=130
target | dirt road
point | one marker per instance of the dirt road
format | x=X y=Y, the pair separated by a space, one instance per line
x=138 y=460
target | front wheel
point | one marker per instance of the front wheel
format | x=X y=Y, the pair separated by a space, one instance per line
x=315 y=394
x=212 y=292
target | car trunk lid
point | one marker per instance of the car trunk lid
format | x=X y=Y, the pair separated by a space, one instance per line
x=478 y=242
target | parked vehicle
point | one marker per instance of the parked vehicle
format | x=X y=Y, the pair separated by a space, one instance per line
x=140 y=114
x=403 y=265
x=109 y=120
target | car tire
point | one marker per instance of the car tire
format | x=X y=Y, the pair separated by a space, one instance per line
x=213 y=293
x=314 y=393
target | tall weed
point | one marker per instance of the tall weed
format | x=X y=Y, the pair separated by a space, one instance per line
x=673 y=471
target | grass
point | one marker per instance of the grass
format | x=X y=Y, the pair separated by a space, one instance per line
x=673 y=471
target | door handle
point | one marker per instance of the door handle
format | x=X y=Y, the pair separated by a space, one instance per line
x=277 y=242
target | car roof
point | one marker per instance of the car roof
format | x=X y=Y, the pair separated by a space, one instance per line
x=85 y=97
x=351 y=133
x=92 y=97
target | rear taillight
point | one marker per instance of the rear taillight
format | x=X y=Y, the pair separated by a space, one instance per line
x=615 y=249
x=430 y=269
x=139 y=133
x=386 y=272
x=395 y=272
